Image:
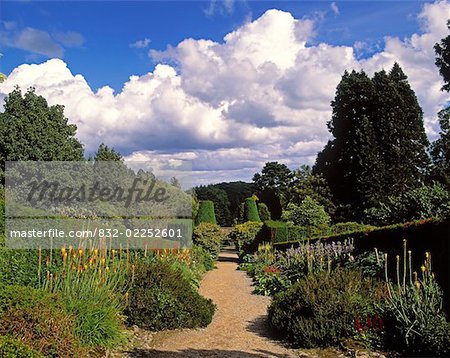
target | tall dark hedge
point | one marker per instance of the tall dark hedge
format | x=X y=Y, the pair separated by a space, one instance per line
x=251 y=210
x=205 y=213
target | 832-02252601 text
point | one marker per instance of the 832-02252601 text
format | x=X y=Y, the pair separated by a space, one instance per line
x=99 y=233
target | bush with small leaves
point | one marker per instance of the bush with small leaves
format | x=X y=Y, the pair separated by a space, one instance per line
x=160 y=298
x=210 y=237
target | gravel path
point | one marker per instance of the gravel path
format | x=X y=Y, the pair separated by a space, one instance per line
x=239 y=326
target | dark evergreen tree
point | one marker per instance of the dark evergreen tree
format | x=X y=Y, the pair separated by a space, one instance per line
x=349 y=162
x=379 y=145
x=401 y=137
x=443 y=60
x=107 y=154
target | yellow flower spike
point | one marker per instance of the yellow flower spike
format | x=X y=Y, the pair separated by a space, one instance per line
x=103 y=261
x=63 y=251
x=106 y=269
x=423 y=268
x=70 y=248
x=417 y=284
x=80 y=252
x=95 y=252
x=86 y=267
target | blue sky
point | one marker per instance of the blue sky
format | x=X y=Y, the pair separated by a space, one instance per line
x=109 y=27
x=227 y=85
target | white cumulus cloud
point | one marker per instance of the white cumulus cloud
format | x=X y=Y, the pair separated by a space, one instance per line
x=261 y=94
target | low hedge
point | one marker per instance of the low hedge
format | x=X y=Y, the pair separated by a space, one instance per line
x=280 y=232
x=430 y=235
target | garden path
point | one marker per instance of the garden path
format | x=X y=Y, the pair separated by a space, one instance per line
x=238 y=329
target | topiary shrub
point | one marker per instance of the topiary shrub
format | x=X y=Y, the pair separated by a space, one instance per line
x=209 y=237
x=251 y=210
x=205 y=213
x=38 y=319
x=320 y=310
x=159 y=298
x=263 y=212
x=13 y=348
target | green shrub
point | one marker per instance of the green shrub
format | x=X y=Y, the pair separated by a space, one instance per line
x=320 y=310
x=19 y=267
x=251 y=210
x=209 y=237
x=244 y=235
x=421 y=203
x=205 y=213
x=14 y=348
x=308 y=213
x=263 y=212
x=39 y=320
x=160 y=298
x=348 y=227
x=280 y=231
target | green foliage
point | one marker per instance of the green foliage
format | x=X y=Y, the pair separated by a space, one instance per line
x=210 y=237
x=307 y=214
x=251 y=210
x=348 y=227
x=440 y=150
x=307 y=184
x=159 y=298
x=18 y=267
x=205 y=213
x=320 y=310
x=276 y=176
x=379 y=144
x=106 y=154
x=421 y=203
x=415 y=321
x=370 y=263
x=443 y=60
x=14 y=348
x=39 y=320
x=244 y=235
x=220 y=199
x=30 y=129
x=280 y=231
x=263 y=212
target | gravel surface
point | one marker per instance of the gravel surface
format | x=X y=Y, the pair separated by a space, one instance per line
x=238 y=329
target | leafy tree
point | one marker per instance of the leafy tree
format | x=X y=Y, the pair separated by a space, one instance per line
x=275 y=176
x=107 y=154
x=308 y=213
x=306 y=183
x=443 y=60
x=440 y=149
x=2 y=77
x=220 y=199
x=30 y=129
x=270 y=198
